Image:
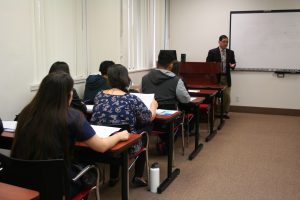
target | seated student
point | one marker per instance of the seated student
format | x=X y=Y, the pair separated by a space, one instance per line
x=47 y=127
x=96 y=83
x=76 y=101
x=115 y=106
x=169 y=89
x=1 y=126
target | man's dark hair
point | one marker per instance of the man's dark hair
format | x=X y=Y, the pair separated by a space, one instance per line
x=59 y=66
x=222 y=37
x=165 y=58
x=104 y=66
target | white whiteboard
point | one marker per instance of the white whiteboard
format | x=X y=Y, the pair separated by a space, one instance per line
x=266 y=40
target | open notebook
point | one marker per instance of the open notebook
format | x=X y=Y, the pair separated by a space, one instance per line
x=104 y=131
x=146 y=98
x=9 y=126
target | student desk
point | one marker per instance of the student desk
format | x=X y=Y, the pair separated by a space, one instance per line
x=11 y=192
x=220 y=94
x=120 y=149
x=198 y=147
x=210 y=96
x=171 y=174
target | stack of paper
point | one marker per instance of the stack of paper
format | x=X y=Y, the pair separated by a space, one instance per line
x=104 y=131
x=146 y=98
x=9 y=126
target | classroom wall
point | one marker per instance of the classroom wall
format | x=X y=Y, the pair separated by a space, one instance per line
x=195 y=26
x=16 y=56
x=18 y=61
x=19 y=67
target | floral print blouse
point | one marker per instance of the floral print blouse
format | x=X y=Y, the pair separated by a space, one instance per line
x=120 y=109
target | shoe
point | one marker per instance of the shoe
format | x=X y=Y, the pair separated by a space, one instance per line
x=112 y=182
x=139 y=182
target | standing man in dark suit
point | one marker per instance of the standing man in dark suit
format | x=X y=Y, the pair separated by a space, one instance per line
x=226 y=57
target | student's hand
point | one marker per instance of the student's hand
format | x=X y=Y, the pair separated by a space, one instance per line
x=123 y=135
x=154 y=105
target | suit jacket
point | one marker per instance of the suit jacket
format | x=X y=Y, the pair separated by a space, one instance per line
x=214 y=55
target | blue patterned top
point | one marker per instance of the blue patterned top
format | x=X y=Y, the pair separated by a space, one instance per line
x=120 y=109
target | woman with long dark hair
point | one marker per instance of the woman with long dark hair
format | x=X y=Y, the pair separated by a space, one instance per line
x=47 y=127
x=116 y=106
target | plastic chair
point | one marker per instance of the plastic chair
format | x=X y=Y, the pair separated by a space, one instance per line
x=48 y=177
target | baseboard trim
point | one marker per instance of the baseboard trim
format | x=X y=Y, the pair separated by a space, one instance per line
x=264 y=110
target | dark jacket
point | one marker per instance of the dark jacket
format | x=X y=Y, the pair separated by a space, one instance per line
x=94 y=84
x=162 y=85
x=214 y=55
x=77 y=103
x=1 y=126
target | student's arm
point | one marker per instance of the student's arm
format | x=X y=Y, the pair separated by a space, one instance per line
x=182 y=93
x=153 y=108
x=103 y=144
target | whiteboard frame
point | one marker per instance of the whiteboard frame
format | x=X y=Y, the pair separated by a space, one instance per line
x=255 y=12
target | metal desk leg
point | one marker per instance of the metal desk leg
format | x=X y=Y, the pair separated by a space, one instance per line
x=171 y=174
x=198 y=146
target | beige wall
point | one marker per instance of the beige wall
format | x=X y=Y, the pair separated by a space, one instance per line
x=195 y=26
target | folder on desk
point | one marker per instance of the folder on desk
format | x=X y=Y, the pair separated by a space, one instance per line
x=9 y=126
x=104 y=131
x=164 y=112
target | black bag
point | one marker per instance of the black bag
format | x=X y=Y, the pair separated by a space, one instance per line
x=87 y=180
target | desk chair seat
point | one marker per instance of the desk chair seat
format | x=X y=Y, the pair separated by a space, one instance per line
x=49 y=177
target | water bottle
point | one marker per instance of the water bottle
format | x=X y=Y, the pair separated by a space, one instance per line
x=154 y=177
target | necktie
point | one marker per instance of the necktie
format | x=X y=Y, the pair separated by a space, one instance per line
x=223 y=58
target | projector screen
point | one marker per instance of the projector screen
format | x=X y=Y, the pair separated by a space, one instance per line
x=266 y=40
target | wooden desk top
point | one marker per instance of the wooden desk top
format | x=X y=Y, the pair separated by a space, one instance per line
x=166 y=118
x=11 y=192
x=207 y=86
x=133 y=138
x=204 y=93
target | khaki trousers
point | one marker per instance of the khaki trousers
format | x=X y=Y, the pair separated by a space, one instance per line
x=226 y=98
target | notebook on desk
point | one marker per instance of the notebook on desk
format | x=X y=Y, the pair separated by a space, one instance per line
x=105 y=131
x=164 y=112
x=146 y=98
x=10 y=126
